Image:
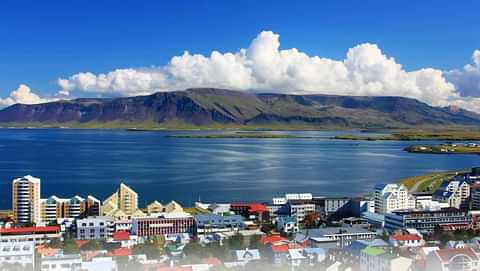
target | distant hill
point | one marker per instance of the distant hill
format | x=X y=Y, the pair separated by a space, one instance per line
x=225 y=108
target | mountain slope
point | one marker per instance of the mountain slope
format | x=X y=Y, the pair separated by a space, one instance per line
x=218 y=107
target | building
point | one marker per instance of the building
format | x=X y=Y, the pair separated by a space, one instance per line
x=39 y=235
x=378 y=259
x=95 y=228
x=75 y=262
x=340 y=236
x=287 y=224
x=253 y=211
x=26 y=200
x=211 y=223
x=54 y=208
x=453 y=259
x=475 y=196
x=166 y=223
x=22 y=253
x=425 y=221
x=406 y=240
x=156 y=208
x=122 y=204
x=455 y=192
x=391 y=197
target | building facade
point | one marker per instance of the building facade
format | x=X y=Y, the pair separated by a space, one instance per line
x=26 y=200
x=391 y=197
x=122 y=204
x=22 y=253
x=163 y=224
x=95 y=228
x=426 y=221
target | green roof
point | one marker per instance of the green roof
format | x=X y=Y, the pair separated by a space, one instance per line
x=373 y=251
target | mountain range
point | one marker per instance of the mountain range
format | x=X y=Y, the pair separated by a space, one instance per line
x=206 y=107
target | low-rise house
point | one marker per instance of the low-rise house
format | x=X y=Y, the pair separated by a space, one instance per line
x=295 y=257
x=406 y=240
x=124 y=238
x=247 y=255
x=21 y=253
x=287 y=224
x=378 y=259
x=453 y=259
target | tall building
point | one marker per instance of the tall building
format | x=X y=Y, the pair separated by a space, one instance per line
x=122 y=204
x=26 y=200
x=391 y=197
x=455 y=192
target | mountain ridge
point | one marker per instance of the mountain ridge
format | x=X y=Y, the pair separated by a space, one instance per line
x=207 y=107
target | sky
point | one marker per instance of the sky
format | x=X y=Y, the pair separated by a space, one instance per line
x=428 y=50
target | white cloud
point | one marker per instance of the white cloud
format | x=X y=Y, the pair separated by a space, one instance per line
x=467 y=80
x=366 y=70
x=24 y=95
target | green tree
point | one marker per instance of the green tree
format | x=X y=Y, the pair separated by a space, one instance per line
x=70 y=247
x=92 y=245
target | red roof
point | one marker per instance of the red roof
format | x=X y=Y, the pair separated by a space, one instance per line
x=272 y=239
x=406 y=237
x=257 y=208
x=121 y=236
x=280 y=248
x=119 y=252
x=30 y=230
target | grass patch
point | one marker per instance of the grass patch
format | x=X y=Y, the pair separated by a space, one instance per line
x=417 y=135
x=426 y=183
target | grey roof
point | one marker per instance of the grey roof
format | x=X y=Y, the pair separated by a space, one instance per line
x=321 y=232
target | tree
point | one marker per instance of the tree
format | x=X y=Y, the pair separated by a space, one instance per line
x=70 y=247
x=92 y=245
x=55 y=243
x=159 y=242
x=311 y=220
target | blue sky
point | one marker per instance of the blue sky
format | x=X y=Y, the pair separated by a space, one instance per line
x=41 y=41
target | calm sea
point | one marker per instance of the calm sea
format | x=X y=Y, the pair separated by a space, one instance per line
x=158 y=167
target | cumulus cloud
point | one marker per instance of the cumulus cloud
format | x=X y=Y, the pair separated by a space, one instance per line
x=23 y=95
x=263 y=66
x=467 y=80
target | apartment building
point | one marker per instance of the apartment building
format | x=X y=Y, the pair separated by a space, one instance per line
x=166 y=223
x=455 y=192
x=425 y=221
x=156 y=207
x=95 y=228
x=26 y=200
x=391 y=197
x=21 y=253
x=54 y=208
x=475 y=196
x=123 y=204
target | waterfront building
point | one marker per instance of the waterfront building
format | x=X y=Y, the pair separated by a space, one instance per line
x=455 y=192
x=26 y=200
x=425 y=221
x=211 y=223
x=54 y=208
x=95 y=228
x=161 y=224
x=39 y=235
x=157 y=208
x=391 y=197
x=123 y=204
x=453 y=259
x=22 y=253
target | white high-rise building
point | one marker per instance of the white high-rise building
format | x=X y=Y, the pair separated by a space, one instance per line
x=391 y=197
x=26 y=200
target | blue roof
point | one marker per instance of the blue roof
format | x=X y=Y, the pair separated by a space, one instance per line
x=314 y=250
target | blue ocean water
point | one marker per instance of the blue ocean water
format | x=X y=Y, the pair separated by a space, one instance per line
x=159 y=167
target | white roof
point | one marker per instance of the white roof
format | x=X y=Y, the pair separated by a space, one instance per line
x=300 y=196
x=29 y=178
x=296 y=254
